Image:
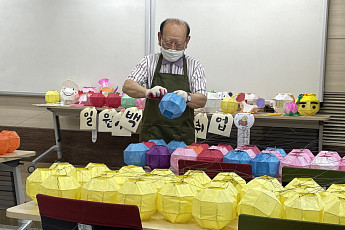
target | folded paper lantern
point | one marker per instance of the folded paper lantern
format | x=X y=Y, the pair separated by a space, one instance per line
x=304 y=152
x=140 y=104
x=214 y=208
x=333 y=154
x=155 y=180
x=228 y=147
x=69 y=91
x=264 y=182
x=175 y=200
x=200 y=176
x=4 y=143
x=249 y=151
x=220 y=148
x=131 y=171
x=158 y=156
x=265 y=164
x=282 y=151
x=97 y=168
x=113 y=100
x=325 y=162
x=213 y=103
x=334 y=211
x=172 y=105
x=198 y=149
x=141 y=193
x=127 y=101
x=82 y=175
x=212 y=155
x=158 y=142
x=61 y=186
x=232 y=177
x=166 y=175
x=190 y=180
x=308 y=184
x=280 y=101
x=295 y=160
x=335 y=188
x=34 y=181
x=260 y=202
x=226 y=185
x=308 y=104
x=255 y=149
x=61 y=168
x=181 y=154
x=135 y=154
x=173 y=145
x=100 y=189
x=291 y=109
x=52 y=96
x=342 y=164
x=97 y=99
x=237 y=156
x=119 y=178
x=229 y=105
x=148 y=144
x=276 y=153
x=203 y=145
x=13 y=140
x=304 y=206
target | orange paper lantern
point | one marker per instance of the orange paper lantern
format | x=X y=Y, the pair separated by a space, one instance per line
x=4 y=142
x=14 y=140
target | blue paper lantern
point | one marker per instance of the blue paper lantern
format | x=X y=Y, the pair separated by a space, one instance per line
x=265 y=164
x=172 y=105
x=158 y=156
x=173 y=145
x=128 y=102
x=135 y=154
x=158 y=142
x=282 y=151
x=237 y=156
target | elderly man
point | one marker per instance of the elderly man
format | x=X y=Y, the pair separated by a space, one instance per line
x=169 y=71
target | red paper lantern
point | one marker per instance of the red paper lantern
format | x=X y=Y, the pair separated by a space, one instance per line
x=97 y=99
x=149 y=144
x=13 y=140
x=203 y=145
x=213 y=155
x=114 y=100
x=4 y=143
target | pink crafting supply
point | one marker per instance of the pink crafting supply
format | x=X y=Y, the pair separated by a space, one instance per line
x=181 y=154
x=325 y=162
x=335 y=155
x=220 y=148
x=291 y=107
x=277 y=154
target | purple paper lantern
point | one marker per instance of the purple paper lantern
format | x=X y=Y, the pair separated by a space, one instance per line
x=158 y=156
x=135 y=153
x=172 y=105
x=181 y=154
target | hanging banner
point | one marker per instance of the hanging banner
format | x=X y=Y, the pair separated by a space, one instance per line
x=221 y=124
x=88 y=119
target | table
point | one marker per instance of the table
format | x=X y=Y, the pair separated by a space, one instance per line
x=30 y=211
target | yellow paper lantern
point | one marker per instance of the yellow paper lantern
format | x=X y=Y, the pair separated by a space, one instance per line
x=265 y=182
x=307 y=184
x=116 y=175
x=100 y=189
x=213 y=207
x=155 y=180
x=166 y=175
x=304 y=206
x=61 y=168
x=82 y=175
x=175 y=200
x=260 y=202
x=286 y=193
x=97 y=168
x=232 y=177
x=308 y=104
x=334 y=212
x=141 y=193
x=34 y=181
x=226 y=185
x=52 y=96
x=61 y=186
x=229 y=105
x=201 y=176
x=132 y=170
x=334 y=188
x=190 y=180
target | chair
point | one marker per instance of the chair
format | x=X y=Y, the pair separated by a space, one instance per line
x=64 y=214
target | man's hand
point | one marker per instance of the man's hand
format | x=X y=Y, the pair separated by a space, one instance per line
x=183 y=94
x=156 y=92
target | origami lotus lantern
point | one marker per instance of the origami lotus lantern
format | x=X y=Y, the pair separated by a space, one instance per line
x=237 y=156
x=275 y=153
x=200 y=176
x=333 y=154
x=227 y=185
x=232 y=177
x=173 y=145
x=280 y=101
x=141 y=193
x=220 y=148
x=291 y=109
x=61 y=186
x=212 y=155
x=304 y=206
x=228 y=147
x=198 y=149
x=155 y=180
x=249 y=151
x=213 y=102
x=214 y=208
x=13 y=140
x=135 y=154
x=97 y=168
x=265 y=164
x=158 y=142
x=172 y=105
x=113 y=100
x=325 y=162
x=148 y=144
x=334 y=211
x=131 y=170
x=4 y=144
x=52 y=96
x=127 y=101
x=203 y=145
x=190 y=180
x=282 y=151
x=61 y=168
x=308 y=104
x=260 y=202
x=181 y=154
x=100 y=189
x=264 y=182
x=82 y=175
x=97 y=99
x=158 y=156
x=140 y=104
x=175 y=200
x=34 y=181
x=229 y=105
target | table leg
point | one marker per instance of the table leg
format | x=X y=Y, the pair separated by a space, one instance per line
x=320 y=135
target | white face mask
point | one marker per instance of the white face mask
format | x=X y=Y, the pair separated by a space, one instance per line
x=172 y=55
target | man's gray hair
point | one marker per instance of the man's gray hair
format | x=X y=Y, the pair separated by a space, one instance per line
x=178 y=21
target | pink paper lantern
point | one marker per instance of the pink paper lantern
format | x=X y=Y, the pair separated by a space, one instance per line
x=305 y=152
x=335 y=155
x=113 y=100
x=182 y=154
x=228 y=147
x=220 y=148
x=277 y=154
x=141 y=103
x=212 y=155
x=295 y=160
x=255 y=149
x=97 y=99
x=250 y=151
x=325 y=162
x=149 y=144
x=342 y=164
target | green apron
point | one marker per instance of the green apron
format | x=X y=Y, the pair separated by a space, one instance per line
x=157 y=126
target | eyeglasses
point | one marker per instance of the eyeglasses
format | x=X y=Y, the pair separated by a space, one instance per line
x=173 y=45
